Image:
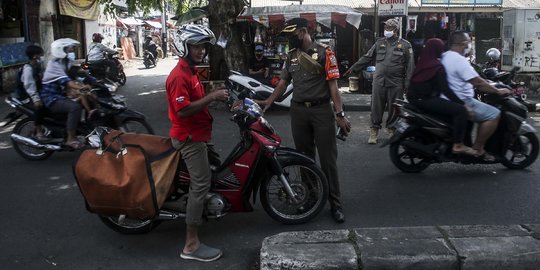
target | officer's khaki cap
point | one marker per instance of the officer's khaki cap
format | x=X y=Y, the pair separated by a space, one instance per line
x=292 y=24
x=392 y=23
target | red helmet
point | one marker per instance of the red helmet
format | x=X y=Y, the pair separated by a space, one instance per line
x=97 y=37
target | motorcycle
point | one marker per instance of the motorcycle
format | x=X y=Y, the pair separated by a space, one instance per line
x=112 y=112
x=258 y=90
x=102 y=72
x=421 y=139
x=149 y=59
x=292 y=187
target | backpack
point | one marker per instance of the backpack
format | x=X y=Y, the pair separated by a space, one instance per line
x=20 y=91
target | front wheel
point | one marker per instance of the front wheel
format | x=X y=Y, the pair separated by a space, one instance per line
x=26 y=129
x=122 y=78
x=309 y=184
x=405 y=158
x=124 y=225
x=521 y=152
x=136 y=126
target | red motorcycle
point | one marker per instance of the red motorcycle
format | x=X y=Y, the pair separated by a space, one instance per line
x=292 y=187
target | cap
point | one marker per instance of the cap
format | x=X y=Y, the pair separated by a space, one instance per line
x=392 y=23
x=259 y=47
x=292 y=24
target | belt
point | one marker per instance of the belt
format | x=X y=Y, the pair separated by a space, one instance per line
x=313 y=103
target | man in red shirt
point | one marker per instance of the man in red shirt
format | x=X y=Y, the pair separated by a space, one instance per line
x=192 y=129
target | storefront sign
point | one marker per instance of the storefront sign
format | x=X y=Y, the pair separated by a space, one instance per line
x=462 y=2
x=392 y=7
x=83 y=9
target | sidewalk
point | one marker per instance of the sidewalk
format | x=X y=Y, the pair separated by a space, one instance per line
x=434 y=247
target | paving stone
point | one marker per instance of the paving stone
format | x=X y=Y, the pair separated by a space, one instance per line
x=467 y=231
x=425 y=232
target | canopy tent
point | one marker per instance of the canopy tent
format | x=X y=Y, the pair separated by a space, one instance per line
x=130 y=21
x=323 y=14
x=169 y=25
x=153 y=24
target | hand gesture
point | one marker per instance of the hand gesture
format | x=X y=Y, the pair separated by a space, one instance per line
x=221 y=94
x=504 y=92
x=265 y=104
x=344 y=124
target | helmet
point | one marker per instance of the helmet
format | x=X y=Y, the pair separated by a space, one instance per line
x=493 y=54
x=193 y=34
x=490 y=73
x=97 y=37
x=58 y=47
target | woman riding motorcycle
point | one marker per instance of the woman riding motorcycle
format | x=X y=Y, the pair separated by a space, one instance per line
x=56 y=82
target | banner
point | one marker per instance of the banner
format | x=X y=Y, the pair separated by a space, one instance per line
x=83 y=9
x=392 y=7
x=462 y=2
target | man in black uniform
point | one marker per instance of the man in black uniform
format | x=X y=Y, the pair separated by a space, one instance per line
x=314 y=71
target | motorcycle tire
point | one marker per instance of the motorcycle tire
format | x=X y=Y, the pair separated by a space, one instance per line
x=521 y=152
x=129 y=226
x=122 y=78
x=146 y=63
x=25 y=128
x=136 y=126
x=311 y=187
x=406 y=160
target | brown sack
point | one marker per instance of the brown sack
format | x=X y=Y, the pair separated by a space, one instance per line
x=127 y=181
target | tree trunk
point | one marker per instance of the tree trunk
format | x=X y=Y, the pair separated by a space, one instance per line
x=222 y=19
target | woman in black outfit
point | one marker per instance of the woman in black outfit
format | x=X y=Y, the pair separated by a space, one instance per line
x=428 y=82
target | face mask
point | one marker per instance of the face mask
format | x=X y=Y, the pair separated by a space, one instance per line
x=388 y=34
x=295 y=42
x=468 y=49
x=71 y=56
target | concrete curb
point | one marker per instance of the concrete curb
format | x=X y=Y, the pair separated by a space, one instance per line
x=432 y=247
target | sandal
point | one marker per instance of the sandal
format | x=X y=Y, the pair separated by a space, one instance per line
x=204 y=254
x=75 y=144
x=465 y=151
x=485 y=156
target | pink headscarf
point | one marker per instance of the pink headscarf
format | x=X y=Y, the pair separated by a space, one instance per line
x=428 y=63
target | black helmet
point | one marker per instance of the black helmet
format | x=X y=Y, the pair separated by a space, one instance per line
x=490 y=73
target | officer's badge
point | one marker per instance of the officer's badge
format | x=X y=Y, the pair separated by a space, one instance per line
x=399 y=46
x=294 y=61
x=315 y=56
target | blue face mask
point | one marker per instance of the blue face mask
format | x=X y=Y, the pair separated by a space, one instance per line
x=71 y=56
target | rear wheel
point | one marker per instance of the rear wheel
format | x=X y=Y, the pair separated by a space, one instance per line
x=405 y=158
x=124 y=225
x=26 y=129
x=136 y=126
x=306 y=180
x=521 y=152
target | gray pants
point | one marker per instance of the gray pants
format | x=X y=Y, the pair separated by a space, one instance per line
x=316 y=127
x=72 y=108
x=195 y=154
x=382 y=98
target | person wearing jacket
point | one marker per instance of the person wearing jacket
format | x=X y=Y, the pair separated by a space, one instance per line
x=96 y=55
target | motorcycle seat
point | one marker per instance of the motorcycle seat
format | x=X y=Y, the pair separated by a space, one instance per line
x=436 y=119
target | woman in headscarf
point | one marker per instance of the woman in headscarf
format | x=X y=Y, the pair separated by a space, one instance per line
x=428 y=83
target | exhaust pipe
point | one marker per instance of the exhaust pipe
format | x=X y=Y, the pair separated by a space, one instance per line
x=29 y=142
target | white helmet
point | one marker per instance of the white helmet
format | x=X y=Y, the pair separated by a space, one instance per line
x=58 y=47
x=493 y=54
x=193 y=34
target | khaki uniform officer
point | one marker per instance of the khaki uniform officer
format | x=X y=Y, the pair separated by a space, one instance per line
x=394 y=64
x=313 y=70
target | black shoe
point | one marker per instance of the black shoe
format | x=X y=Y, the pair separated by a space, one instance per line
x=338 y=215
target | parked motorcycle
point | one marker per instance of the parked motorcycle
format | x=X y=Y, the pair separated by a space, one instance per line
x=257 y=90
x=149 y=59
x=102 y=72
x=292 y=187
x=112 y=112
x=421 y=139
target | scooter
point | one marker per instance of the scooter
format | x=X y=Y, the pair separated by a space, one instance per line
x=112 y=112
x=149 y=59
x=292 y=187
x=102 y=72
x=258 y=90
x=421 y=139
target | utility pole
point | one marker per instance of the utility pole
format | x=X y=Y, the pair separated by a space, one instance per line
x=376 y=18
x=164 y=27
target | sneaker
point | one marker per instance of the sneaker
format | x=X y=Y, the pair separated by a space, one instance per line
x=204 y=254
x=373 y=133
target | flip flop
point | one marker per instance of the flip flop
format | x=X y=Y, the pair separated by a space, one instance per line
x=204 y=254
x=75 y=144
x=486 y=157
x=465 y=151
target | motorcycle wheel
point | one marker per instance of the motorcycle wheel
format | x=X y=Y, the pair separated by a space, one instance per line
x=147 y=63
x=521 y=152
x=122 y=78
x=25 y=128
x=406 y=160
x=129 y=226
x=308 y=181
x=136 y=126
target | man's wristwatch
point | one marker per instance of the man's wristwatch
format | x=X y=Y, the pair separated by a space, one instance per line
x=340 y=114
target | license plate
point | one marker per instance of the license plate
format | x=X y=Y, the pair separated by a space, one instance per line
x=402 y=125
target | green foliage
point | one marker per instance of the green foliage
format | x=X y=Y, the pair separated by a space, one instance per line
x=144 y=6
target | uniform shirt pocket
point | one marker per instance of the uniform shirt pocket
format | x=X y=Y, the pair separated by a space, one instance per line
x=380 y=55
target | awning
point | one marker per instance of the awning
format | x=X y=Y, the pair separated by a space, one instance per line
x=154 y=24
x=130 y=21
x=158 y=19
x=323 y=14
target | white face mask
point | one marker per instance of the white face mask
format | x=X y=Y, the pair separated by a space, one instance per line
x=71 y=56
x=468 y=49
x=388 y=34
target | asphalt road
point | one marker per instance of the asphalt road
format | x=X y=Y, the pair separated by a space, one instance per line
x=44 y=223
